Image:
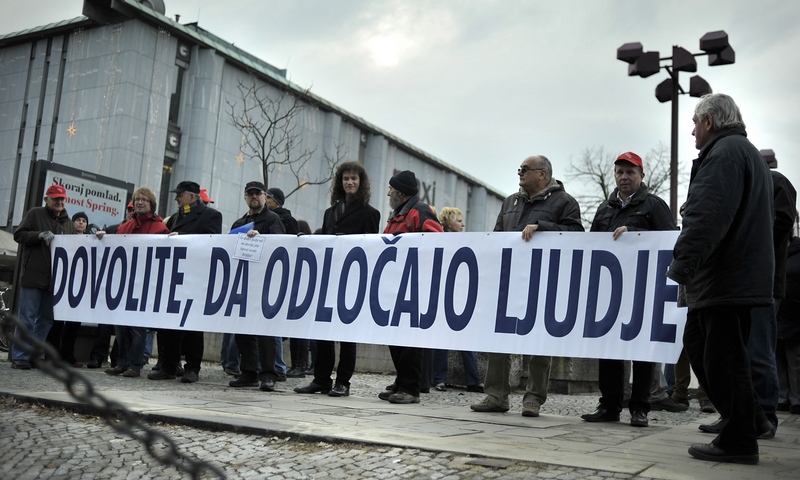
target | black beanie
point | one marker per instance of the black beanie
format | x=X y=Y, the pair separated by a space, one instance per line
x=80 y=215
x=405 y=182
x=277 y=195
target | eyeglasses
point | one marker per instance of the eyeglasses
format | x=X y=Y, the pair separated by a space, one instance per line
x=142 y=200
x=525 y=169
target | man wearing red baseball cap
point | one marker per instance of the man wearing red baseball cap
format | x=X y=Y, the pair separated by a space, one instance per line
x=630 y=207
x=38 y=228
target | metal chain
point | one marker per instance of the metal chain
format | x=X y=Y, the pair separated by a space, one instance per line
x=159 y=445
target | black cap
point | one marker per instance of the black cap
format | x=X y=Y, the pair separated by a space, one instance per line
x=80 y=215
x=190 y=187
x=277 y=195
x=254 y=185
x=405 y=182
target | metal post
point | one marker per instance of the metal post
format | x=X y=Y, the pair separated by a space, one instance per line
x=673 y=163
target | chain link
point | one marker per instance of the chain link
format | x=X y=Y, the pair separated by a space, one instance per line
x=159 y=445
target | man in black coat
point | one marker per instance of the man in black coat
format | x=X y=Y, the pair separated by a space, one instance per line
x=193 y=217
x=630 y=207
x=255 y=348
x=723 y=261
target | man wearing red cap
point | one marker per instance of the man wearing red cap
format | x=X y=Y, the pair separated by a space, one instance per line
x=630 y=207
x=38 y=228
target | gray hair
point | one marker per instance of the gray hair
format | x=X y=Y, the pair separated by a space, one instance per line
x=723 y=110
x=548 y=167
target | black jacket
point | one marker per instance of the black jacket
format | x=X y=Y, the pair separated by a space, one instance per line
x=266 y=221
x=351 y=218
x=289 y=222
x=724 y=254
x=36 y=265
x=644 y=212
x=553 y=209
x=784 y=198
x=199 y=219
x=789 y=311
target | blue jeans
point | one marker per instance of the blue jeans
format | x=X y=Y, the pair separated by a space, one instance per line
x=763 y=365
x=36 y=313
x=148 y=343
x=229 y=352
x=470 y=367
x=280 y=365
x=131 y=347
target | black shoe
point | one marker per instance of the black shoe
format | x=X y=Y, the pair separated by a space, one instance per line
x=795 y=409
x=243 y=381
x=425 y=390
x=680 y=401
x=312 y=388
x=339 y=390
x=190 y=377
x=310 y=370
x=115 y=371
x=707 y=407
x=713 y=453
x=601 y=415
x=156 y=367
x=21 y=365
x=232 y=371
x=161 y=375
x=668 y=405
x=297 y=372
x=267 y=385
x=783 y=407
x=639 y=419
x=384 y=395
x=179 y=371
x=475 y=388
x=93 y=364
x=281 y=377
x=714 y=427
x=392 y=387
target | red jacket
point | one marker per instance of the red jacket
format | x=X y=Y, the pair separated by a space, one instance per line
x=149 y=223
x=414 y=216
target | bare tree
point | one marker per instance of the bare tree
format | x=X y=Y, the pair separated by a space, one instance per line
x=595 y=170
x=272 y=135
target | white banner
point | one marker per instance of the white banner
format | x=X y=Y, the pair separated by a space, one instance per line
x=569 y=294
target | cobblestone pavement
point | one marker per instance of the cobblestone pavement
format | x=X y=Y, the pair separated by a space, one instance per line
x=39 y=442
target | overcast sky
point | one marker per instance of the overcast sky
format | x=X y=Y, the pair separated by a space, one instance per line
x=483 y=84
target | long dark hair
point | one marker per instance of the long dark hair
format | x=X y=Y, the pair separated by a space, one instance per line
x=337 y=189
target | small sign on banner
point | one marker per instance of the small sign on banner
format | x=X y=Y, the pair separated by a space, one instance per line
x=249 y=248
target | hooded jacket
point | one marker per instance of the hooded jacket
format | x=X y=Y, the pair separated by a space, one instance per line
x=413 y=216
x=553 y=209
x=724 y=254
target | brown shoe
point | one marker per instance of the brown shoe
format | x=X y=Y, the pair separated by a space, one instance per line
x=530 y=410
x=115 y=371
x=486 y=405
x=130 y=373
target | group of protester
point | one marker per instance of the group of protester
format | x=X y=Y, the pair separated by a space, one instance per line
x=735 y=207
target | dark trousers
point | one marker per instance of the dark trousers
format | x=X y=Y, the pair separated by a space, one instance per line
x=715 y=340
x=298 y=349
x=408 y=363
x=255 y=350
x=612 y=385
x=173 y=343
x=326 y=357
x=102 y=340
x=62 y=336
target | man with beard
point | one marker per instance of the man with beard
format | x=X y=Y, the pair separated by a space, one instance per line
x=257 y=348
x=409 y=214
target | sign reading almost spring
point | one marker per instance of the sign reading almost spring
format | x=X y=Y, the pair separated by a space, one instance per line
x=569 y=294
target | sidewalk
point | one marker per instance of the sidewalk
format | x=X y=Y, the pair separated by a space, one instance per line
x=442 y=422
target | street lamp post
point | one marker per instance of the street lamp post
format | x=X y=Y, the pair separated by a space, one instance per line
x=645 y=64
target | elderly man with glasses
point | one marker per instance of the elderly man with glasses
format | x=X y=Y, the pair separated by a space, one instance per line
x=541 y=205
